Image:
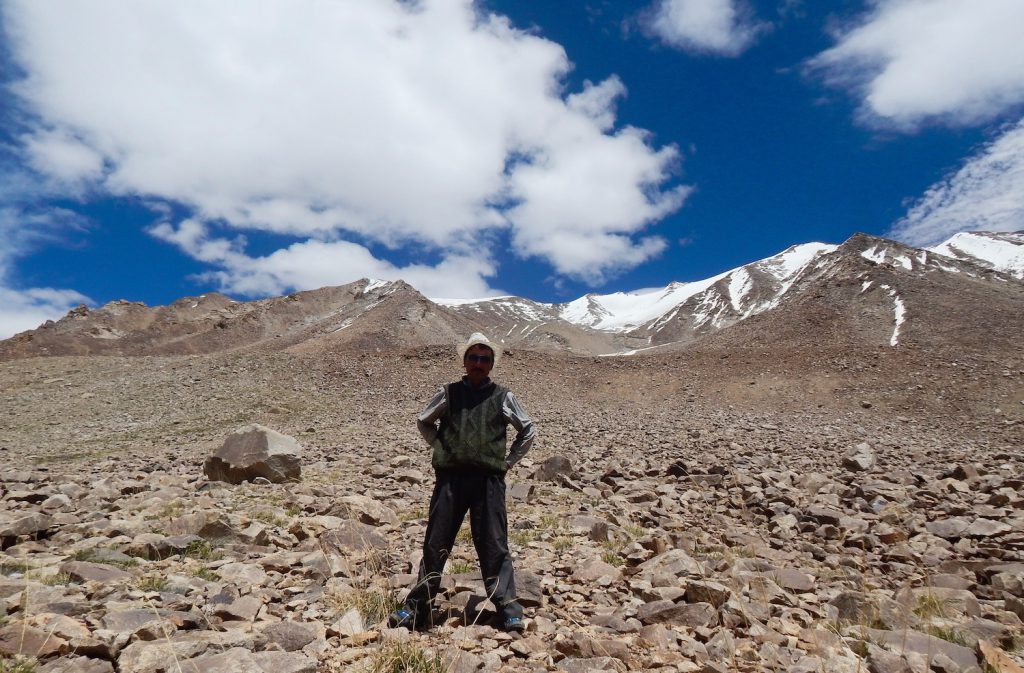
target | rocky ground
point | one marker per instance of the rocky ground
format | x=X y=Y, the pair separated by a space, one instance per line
x=690 y=513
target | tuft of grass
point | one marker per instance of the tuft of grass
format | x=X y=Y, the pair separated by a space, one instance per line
x=152 y=583
x=459 y=567
x=562 y=543
x=413 y=515
x=523 y=536
x=929 y=605
x=206 y=574
x=950 y=635
x=612 y=558
x=550 y=522
x=634 y=531
x=398 y=657
x=11 y=567
x=202 y=550
x=268 y=517
x=373 y=604
x=18 y=664
x=171 y=510
x=55 y=580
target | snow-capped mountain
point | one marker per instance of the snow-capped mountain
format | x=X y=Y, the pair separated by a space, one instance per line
x=649 y=317
x=867 y=291
x=1000 y=251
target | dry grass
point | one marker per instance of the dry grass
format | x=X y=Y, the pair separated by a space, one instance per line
x=397 y=657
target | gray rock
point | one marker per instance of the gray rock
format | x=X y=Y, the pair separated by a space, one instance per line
x=75 y=664
x=19 y=638
x=239 y=660
x=707 y=592
x=588 y=664
x=673 y=562
x=255 y=451
x=693 y=615
x=84 y=571
x=860 y=458
x=352 y=536
x=289 y=636
x=907 y=640
x=952 y=528
x=13 y=525
x=551 y=468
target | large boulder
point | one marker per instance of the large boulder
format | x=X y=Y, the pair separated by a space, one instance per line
x=255 y=451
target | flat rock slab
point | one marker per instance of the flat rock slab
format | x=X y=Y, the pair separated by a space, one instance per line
x=78 y=665
x=13 y=526
x=913 y=641
x=84 y=571
x=21 y=638
x=239 y=660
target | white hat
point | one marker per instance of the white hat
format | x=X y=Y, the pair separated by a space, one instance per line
x=478 y=339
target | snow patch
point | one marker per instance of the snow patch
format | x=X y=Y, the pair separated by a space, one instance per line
x=875 y=254
x=901 y=312
x=740 y=283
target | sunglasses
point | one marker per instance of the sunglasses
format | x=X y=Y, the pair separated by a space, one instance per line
x=482 y=359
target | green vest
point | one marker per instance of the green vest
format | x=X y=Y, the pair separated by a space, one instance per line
x=472 y=430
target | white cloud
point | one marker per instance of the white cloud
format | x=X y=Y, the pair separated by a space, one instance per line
x=313 y=263
x=22 y=310
x=725 y=27
x=26 y=308
x=421 y=125
x=985 y=194
x=914 y=61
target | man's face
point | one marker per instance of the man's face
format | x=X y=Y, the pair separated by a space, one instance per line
x=478 y=362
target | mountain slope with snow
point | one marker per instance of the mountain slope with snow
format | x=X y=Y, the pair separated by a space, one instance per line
x=999 y=251
x=883 y=292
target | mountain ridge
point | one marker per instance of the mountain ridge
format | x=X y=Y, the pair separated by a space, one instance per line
x=374 y=314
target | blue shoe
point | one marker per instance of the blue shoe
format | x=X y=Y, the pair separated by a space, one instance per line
x=515 y=624
x=403 y=617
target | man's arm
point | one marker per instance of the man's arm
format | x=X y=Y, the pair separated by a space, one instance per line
x=520 y=420
x=427 y=420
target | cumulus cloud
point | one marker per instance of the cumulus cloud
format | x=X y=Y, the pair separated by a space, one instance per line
x=724 y=27
x=413 y=125
x=914 y=61
x=27 y=309
x=985 y=194
x=24 y=308
x=314 y=263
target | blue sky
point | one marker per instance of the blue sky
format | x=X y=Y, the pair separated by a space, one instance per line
x=155 y=149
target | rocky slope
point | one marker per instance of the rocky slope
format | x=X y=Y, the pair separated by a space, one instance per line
x=698 y=527
x=833 y=484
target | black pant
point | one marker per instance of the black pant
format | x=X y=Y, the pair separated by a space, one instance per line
x=483 y=494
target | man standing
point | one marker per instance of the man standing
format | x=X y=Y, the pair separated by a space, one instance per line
x=465 y=425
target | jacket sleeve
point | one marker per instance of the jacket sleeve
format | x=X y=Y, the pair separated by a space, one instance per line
x=521 y=421
x=427 y=420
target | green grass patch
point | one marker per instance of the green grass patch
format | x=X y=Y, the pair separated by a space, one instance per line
x=202 y=550
x=206 y=574
x=459 y=567
x=612 y=558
